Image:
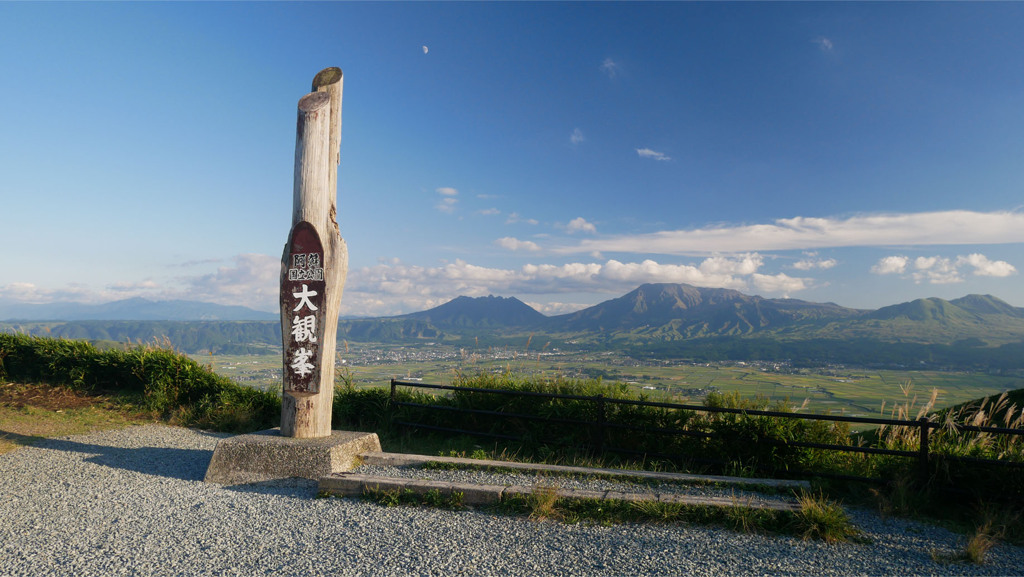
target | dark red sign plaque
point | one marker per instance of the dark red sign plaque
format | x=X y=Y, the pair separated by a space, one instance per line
x=302 y=309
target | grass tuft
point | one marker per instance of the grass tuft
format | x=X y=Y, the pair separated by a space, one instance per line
x=660 y=511
x=407 y=497
x=979 y=544
x=542 y=503
x=822 y=519
x=993 y=526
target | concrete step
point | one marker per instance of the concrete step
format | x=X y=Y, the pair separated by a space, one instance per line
x=401 y=460
x=354 y=484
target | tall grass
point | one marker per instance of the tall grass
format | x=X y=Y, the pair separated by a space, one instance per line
x=949 y=438
x=948 y=441
x=571 y=432
x=151 y=377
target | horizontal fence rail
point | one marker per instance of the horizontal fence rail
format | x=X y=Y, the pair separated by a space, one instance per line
x=600 y=426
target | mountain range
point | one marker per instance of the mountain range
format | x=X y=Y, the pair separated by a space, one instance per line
x=678 y=312
x=653 y=320
x=664 y=321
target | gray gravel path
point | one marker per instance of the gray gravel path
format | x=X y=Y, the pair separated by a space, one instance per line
x=132 y=502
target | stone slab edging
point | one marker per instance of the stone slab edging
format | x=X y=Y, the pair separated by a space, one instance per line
x=355 y=485
x=401 y=459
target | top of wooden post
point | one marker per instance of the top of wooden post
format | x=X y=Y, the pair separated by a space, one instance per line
x=314 y=101
x=330 y=81
x=326 y=77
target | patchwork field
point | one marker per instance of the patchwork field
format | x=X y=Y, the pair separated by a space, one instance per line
x=836 y=389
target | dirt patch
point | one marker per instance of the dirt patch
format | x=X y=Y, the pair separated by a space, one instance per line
x=19 y=396
x=30 y=412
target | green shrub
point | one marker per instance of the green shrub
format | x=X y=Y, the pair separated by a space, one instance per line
x=361 y=409
x=155 y=378
x=756 y=444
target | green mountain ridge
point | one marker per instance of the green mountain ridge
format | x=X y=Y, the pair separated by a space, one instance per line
x=682 y=321
x=987 y=304
x=682 y=311
x=652 y=321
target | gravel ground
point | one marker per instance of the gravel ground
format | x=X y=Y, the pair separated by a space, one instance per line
x=132 y=502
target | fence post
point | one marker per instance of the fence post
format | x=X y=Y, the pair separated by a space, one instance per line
x=601 y=429
x=922 y=450
x=391 y=405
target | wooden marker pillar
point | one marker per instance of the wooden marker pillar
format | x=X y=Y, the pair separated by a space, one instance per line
x=314 y=265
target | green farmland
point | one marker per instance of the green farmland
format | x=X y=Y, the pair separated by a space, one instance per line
x=831 y=389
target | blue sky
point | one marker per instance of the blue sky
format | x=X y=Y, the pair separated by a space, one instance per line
x=859 y=153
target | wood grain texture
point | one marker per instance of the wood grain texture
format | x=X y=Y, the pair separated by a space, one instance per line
x=308 y=415
x=331 y=81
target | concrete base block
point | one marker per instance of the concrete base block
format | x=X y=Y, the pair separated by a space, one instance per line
x=267 y=456
x=354 y=485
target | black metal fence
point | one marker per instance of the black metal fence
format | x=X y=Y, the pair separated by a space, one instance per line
x=601 y=428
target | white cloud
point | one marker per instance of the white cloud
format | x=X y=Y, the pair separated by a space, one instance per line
x=610 y=67
x=576 y=137
x=629 y=275
x=935 y=270
x=253 y=280
x=891 y=265
x=824 y=43
x=580 y=224
x=779 y=283
x=446 y=205
x=133 y=287
x=515 y=244
x=942 y=270
x=22 y=291
x=648 y=153
x=927 y=228
x=391 y=287
x=811 y=261
x=514 y=217
x=402 y=288
x=489 y=211
x=741 y=264
x=448 y=199
x=557 y=308
x=29 y=293
x=985 y=267
x=199 y=262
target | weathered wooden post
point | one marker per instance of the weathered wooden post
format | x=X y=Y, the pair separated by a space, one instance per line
x=314 y=264
x=313 y=271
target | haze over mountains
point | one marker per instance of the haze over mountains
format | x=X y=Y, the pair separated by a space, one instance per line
x=653 y=320
x=657 y=312
x=133 y=309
